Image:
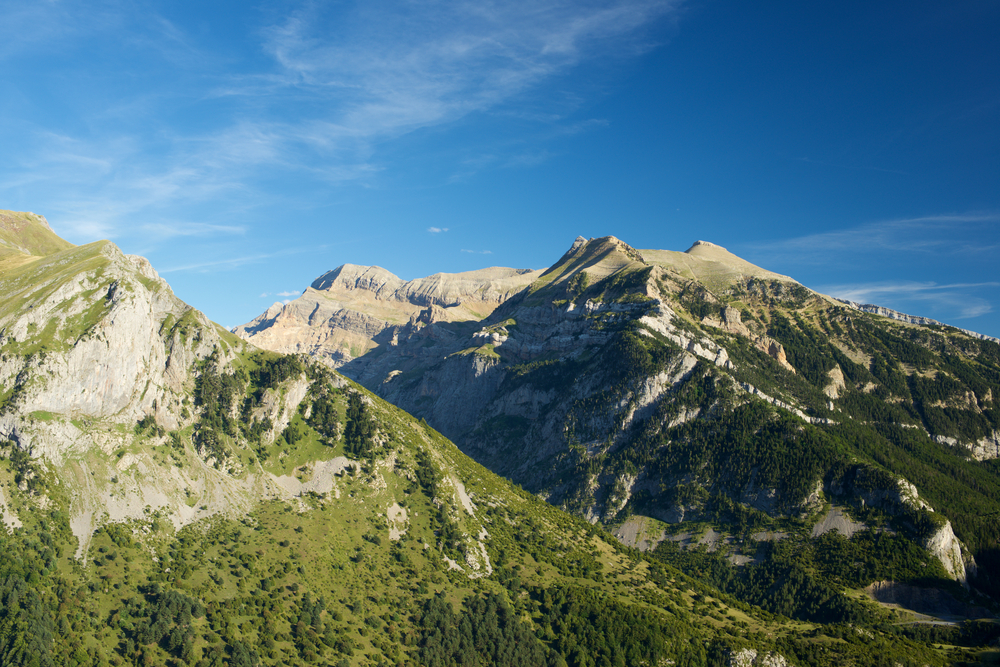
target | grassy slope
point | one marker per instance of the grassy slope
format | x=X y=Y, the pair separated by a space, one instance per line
x=26 y=233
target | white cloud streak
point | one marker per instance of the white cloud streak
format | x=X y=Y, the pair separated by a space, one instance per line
x=226 y=263
x=923 y=234
x=953 y=299
x=437 y=230
x=393 y=68
x=337 y=81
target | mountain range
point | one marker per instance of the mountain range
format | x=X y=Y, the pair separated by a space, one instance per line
x=709 y=464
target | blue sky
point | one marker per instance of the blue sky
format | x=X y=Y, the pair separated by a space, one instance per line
x=246 y=148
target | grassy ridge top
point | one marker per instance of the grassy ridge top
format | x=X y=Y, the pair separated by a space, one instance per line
x=26 y=235
x=36 y=279
x=712 y=265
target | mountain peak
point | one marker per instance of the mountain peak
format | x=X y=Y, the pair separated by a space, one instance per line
x=355 y=276
x=16 y=221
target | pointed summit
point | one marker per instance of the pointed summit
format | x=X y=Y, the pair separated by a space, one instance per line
x=703 y=243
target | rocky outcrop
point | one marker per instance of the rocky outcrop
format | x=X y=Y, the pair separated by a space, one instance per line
x=775 y=350
x=985 y=448
x=91 y=342
x=729 y=320
x=871 y=487
x=837 y=385
x=749 y=657
x=112 y=343
x=949 y=550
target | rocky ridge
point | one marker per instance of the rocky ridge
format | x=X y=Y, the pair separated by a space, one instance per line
x=345 y=311
x=92 y=342
x=910 y=319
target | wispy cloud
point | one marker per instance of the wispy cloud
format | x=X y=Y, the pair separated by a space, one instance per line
x=392 y=69
x=953 y=299
x=230 y=263
x=170 y=230
x=329 y=86
x=437 y=230
x=936 y=233
x=264 y=295
x=478 y=252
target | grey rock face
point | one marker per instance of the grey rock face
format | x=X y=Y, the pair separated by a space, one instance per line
x=350 y=310
x=91 y=341
x=125 y=365
x=749 y=657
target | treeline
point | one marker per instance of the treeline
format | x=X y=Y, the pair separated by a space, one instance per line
x=586 y=628
x=487 y=633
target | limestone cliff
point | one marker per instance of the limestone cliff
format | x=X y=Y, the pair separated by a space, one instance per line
x=346 y=311
x=92 y=333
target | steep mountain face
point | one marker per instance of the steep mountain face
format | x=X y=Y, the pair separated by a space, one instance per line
x=658 y=392
x=92 y=342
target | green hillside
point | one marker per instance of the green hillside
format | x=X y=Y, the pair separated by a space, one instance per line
x=25 y=237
